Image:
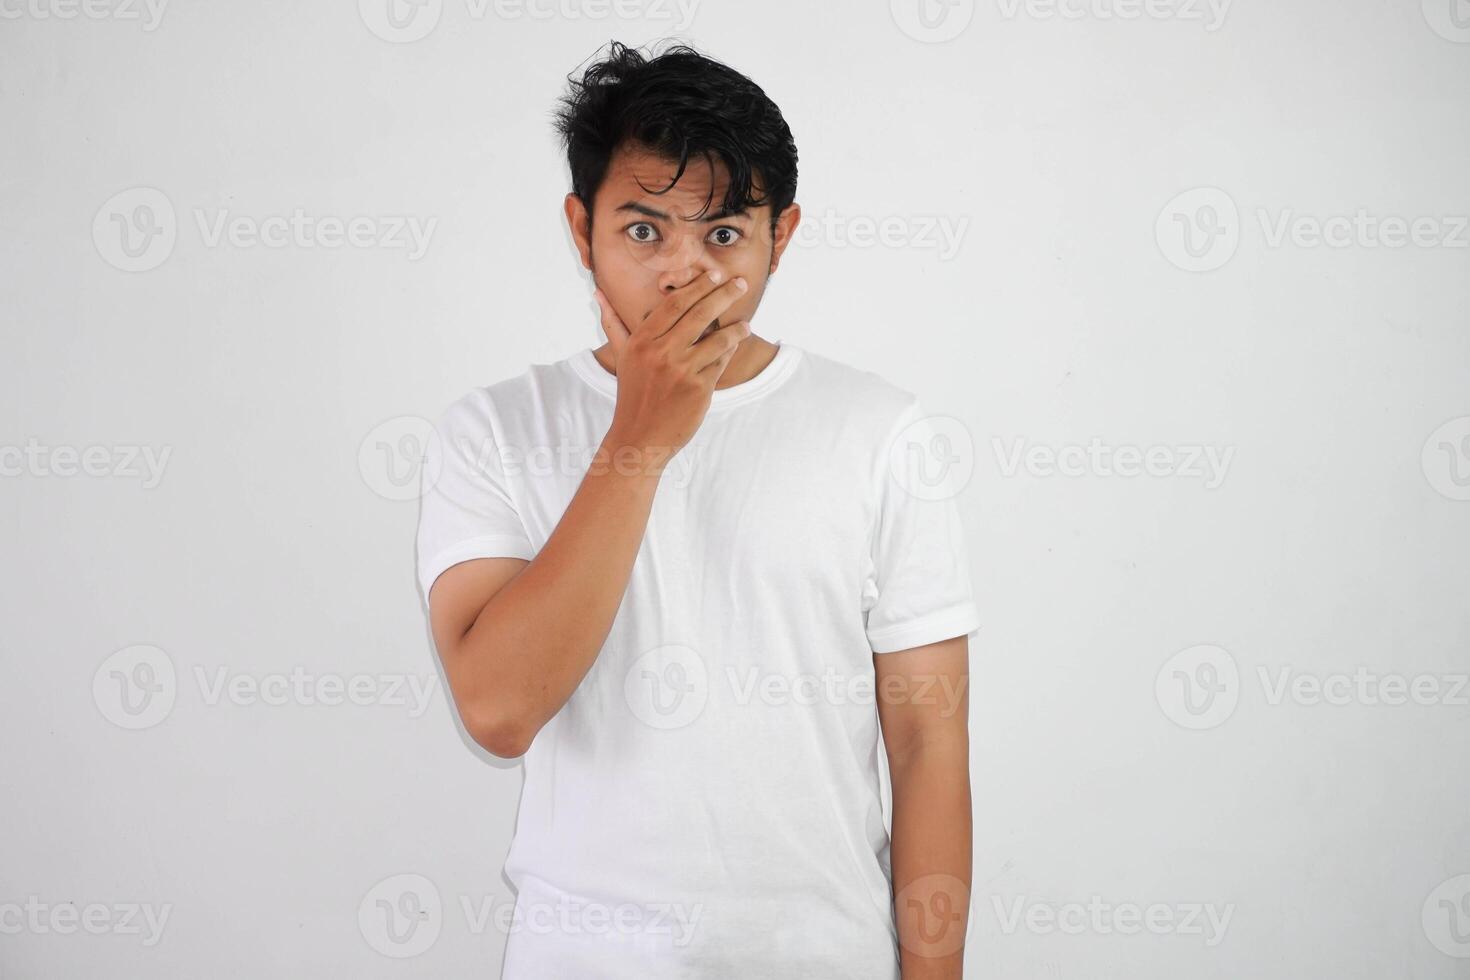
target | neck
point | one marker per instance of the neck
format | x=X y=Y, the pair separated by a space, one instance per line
x=751 y=357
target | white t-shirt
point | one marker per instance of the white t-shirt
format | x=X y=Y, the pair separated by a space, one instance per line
x=707 y=803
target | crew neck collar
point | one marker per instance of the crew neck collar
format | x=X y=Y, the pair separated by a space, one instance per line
x=590 y=370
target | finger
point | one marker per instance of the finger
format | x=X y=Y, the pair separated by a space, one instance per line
x=714 y=351
x=677 y=303
x=717 y=370
x=612 y=324
x=698 y=317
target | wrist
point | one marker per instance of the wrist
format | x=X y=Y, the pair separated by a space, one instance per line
x=625 y=456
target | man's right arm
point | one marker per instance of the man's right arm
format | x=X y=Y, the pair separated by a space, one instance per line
x=517 y=637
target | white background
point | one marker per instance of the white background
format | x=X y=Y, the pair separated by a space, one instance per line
x=285 y=382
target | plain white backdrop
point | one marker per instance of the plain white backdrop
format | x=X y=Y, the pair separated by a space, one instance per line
x=1192 y=278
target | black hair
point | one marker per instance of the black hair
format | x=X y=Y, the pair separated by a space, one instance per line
x=678 y=104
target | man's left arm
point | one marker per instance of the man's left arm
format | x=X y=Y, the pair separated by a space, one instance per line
x=923 y=706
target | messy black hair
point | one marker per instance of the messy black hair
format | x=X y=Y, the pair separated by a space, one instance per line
x=677 y=105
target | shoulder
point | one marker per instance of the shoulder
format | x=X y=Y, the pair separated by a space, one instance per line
x=487 y=406
x=858 y=394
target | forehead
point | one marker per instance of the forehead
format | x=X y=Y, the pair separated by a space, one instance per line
x=636 y=175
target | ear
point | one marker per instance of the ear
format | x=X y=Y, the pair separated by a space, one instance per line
x=577 y=223
x=785 y=228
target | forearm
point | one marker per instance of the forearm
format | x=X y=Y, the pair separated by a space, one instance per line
x=931 y=856
x=537 y=637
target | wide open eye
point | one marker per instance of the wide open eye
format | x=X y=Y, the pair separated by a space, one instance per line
x=733 y=235
x=642 y=232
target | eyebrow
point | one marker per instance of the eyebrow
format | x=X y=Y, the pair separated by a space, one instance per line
x=719 y=215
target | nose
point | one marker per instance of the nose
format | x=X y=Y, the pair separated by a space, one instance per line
x=691 y=261
x=669 y=282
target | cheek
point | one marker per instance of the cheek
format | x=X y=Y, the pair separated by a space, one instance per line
x=647 y=262
x=749 y=261
x=619 y=272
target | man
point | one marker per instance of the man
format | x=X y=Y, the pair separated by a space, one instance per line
x=689 y=577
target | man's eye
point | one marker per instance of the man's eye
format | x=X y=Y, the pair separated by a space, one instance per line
x=638 y=232
x=734 y=235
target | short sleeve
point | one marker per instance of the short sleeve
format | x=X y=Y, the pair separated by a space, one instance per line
x=467 y=510
x=917 y=585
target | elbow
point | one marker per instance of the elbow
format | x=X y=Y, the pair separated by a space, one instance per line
x=499 y=733
x=493 y=722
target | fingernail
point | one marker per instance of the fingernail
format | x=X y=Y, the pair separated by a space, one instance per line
x=741 y=284
x=716 y=276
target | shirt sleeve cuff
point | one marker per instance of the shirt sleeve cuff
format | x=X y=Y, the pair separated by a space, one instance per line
x=959 y=620
x=490 y=546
